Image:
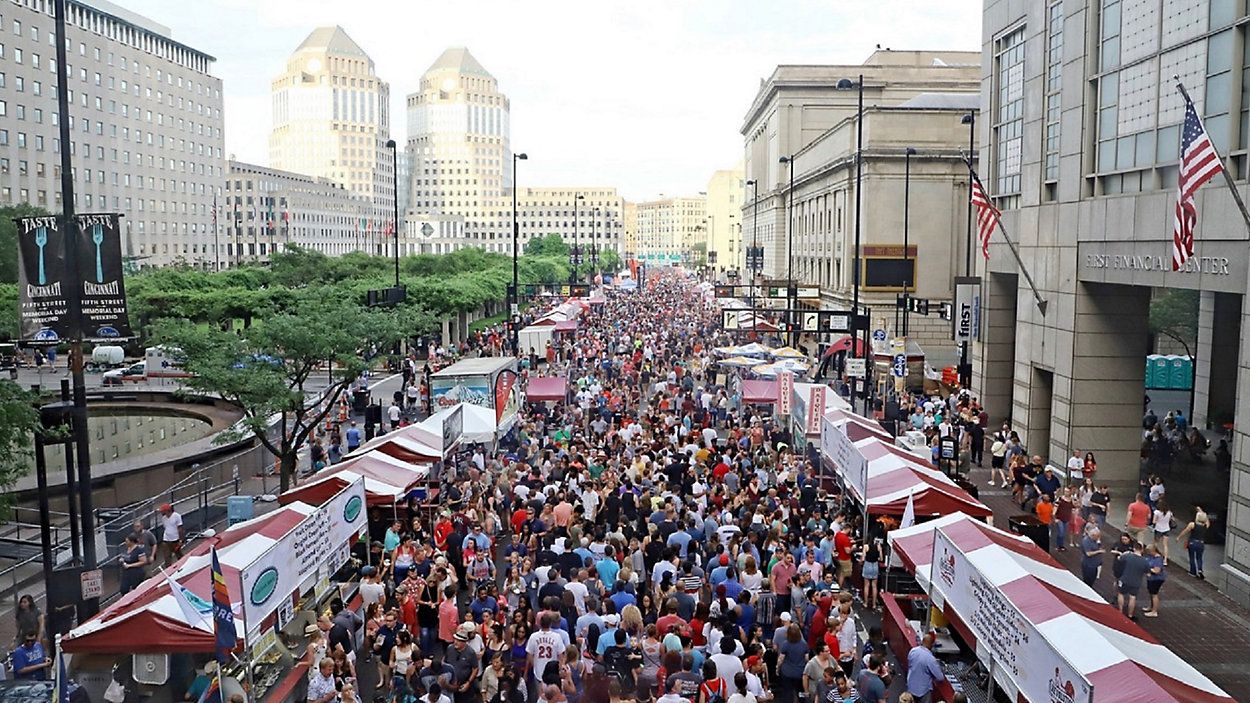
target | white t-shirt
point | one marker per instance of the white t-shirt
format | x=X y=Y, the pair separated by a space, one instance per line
x=371 y=592
x=544 y=646
x=727 y=667
x=171 y=527
x=748 y=697
x=393 y=413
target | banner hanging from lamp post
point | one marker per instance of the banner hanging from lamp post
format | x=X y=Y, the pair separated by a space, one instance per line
x=99 y=253
x=43 y=296
x=45 y=291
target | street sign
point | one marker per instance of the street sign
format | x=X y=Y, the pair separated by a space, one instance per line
x=856 y=368
x=729 y=319
x=92 y=584
x=899 y=366
x=808 y=293
x=948 y=449
x=967 y=309
x=878 y=335
x=811 y=322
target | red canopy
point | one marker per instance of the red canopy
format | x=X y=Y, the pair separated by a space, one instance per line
x=566 y=326
x=759 y=391
x=412 y=444
x=387 y=480
x=845 y=343
x=547 y=388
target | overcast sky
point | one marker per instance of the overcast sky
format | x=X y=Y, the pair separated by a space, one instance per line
x=644 y=95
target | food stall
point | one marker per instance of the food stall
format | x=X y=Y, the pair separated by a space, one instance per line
x=547 y=389
x=998 y=600
x=809 y=402
x=282 y=569
x=489 y=381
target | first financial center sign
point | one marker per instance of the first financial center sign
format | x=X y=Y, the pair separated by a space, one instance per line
x=1220 y=265
x=1214 y=265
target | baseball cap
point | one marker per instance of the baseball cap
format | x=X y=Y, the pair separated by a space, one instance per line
x=786 y=617
x=753 y=660
x=724 y=560
x=612 y=618
x=166 y=507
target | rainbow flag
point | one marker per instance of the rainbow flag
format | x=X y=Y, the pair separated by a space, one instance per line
x=223 y=616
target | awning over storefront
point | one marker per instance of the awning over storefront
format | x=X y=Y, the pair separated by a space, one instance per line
x=759 y=392
x=547 y=388
x=988 y=578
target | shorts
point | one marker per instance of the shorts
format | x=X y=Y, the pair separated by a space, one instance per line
x=1128 y=589
x=845 y=567
x=1153 y=587
x=996 y=462
x=871 y=570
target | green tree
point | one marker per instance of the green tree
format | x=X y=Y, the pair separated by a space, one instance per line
x=18 y=422
x=8 y=237
x=1174 y=314
x=547 y=245
x=265 y=370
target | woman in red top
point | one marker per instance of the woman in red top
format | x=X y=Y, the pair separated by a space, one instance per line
x=696 y=625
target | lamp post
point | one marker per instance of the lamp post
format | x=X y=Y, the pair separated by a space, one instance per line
x=907 y=267
x=846 y=84
x=594 y=245
x=965 y=368
x=575 y=253
x=790 y=287
x=752 y=263
x=390 y=144
x=514 y=305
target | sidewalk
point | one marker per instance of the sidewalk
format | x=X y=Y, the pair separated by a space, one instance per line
x=1195 y=621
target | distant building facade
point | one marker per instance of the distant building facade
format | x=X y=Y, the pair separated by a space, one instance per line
x=669 y=229
x=146 y=118
x=725 y=255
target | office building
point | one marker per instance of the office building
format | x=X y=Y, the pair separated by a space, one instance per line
x=1082 y=156
x=912 y=99
x=725 y=255
x=331 y=119
x=265 y=210
x=146 y=118
x=669 y=230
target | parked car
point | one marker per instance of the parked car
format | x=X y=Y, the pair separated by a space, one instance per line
x=134 y=373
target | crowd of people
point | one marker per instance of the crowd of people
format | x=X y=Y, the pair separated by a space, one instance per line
x=652 y=539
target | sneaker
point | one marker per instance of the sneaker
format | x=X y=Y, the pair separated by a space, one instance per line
x=991 y=482
x=1151 y=614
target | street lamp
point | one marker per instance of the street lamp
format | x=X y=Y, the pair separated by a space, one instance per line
x=965 y=367
x=790 y=287
x=752 y=254
x=846 y=84
x=906 y=220
x=514 y=305
x=390 y=144
x=594 y=246
x=575 y=253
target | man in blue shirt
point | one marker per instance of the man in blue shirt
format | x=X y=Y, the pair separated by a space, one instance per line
x=621 y=597
x=923 y=670
x=353 y=437
x=30 y=661
x=608 y=568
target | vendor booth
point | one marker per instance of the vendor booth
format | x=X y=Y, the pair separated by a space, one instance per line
x=489 y=382
x=281 y=569
x=388 y=480
x=480 y=425
x=881 y=476
x=759 y=392
x=809 y=402
x=413 y=444
x=547 y=389
x=1041 y=633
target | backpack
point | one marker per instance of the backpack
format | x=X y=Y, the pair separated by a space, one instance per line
x=714 y=695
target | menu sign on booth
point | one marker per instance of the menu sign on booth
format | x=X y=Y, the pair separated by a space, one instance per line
x=785 y=388
x=1004 y=635
x=841 y=450
x=815 y=408
x=312 y=547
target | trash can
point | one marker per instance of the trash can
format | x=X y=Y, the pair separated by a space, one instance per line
x=360 y=400
x=1031 y=527
x=115 y=529
x=969 y=487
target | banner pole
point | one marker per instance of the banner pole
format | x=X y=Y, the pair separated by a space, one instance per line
x=1041 y=302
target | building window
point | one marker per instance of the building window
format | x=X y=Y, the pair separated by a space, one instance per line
x=1054 y=85
x=1109 y=38
x=1008 y=116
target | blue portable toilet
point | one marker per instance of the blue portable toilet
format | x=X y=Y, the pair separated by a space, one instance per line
x=239 y=509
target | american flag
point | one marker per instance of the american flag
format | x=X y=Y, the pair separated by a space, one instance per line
x=987 y=216
x=1199 y=164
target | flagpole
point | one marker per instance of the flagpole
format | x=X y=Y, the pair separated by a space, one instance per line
x=1228 y=177
x=1041 y=302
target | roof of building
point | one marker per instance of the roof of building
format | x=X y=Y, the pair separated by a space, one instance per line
x=945 y=101
x=458 y=59
x=333 y=40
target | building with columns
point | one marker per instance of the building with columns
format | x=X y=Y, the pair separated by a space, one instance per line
x=1081 y=154
x=912 y=99
x=331 y=119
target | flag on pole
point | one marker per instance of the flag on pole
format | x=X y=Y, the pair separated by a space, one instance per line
x=214 y=209
x=909 y=513
x=223 y=615
x=987 y=216
x=1199 y=164
x=194 y=609
x=60 y=692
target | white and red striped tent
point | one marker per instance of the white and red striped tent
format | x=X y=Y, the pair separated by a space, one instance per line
x=149 y=619
x=413 y=444
x=387 y=480
x=1121 y=661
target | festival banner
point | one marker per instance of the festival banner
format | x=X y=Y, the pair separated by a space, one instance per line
x=223 y=616
x=785 y=387
x=815 y=408
x=99 y=254
x=1021 y=654
x=43 y=302
x=504 y=383
x=319 y=543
